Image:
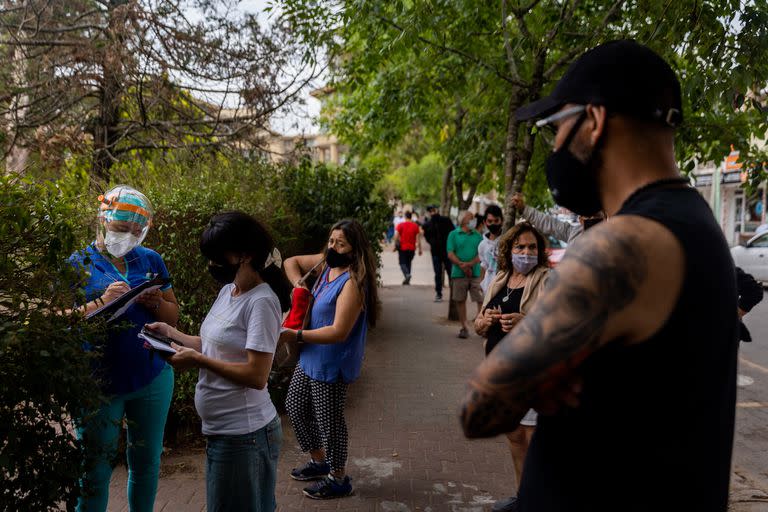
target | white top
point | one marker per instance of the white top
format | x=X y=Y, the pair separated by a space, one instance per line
x=397 y=220
x=486 y=251
x=250 y=321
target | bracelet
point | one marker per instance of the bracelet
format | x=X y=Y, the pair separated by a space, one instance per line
x=300 y=336
x=97 y=300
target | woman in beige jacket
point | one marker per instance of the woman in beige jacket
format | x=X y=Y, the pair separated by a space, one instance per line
x=522 y=271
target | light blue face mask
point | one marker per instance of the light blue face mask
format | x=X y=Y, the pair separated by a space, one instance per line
x=524 y=263
x=473 y=224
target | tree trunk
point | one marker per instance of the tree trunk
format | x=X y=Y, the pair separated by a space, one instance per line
x=445 y=193
x=16 y=156
x=105 y=131
x=511 y=157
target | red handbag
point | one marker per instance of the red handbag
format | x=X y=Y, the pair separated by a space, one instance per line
x=287 y=352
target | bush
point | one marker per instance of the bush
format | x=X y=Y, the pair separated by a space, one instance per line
x=44 y=373
x=298 y=204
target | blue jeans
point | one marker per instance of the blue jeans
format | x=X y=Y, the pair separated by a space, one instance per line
x=146 y=410
x=241 y=471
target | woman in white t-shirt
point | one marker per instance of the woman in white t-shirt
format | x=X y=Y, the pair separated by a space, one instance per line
x=234 y=354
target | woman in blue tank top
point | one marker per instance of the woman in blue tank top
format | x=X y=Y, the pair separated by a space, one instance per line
x=332 y=347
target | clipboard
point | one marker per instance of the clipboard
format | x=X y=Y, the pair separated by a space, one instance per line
x=115 y=309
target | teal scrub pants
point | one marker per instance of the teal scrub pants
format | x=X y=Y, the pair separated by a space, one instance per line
x=145 y=410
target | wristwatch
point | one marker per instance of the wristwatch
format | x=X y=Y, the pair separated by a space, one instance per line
x=300 y=336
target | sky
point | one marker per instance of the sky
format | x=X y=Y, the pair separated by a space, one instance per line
x=301 y=118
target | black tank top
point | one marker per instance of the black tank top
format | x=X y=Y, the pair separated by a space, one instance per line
x=654 y=429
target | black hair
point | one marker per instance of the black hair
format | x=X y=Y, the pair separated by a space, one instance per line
x=494 y=210
x=237 y=232
x=408 y=215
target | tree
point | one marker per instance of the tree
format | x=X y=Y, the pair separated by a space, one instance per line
x=117 y=76
x=462 y=68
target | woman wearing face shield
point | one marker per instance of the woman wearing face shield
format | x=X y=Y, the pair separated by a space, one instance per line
x=522 y=272
x=332 y=347
x=139 y=386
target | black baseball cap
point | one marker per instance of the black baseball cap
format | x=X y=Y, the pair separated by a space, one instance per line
x=624 y=76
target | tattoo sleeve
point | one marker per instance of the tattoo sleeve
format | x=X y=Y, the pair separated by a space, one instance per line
x=599 y=276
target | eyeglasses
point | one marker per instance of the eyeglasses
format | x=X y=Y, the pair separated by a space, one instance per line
x=548 y=130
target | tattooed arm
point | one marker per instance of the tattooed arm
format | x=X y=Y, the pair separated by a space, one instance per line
x=618 y=283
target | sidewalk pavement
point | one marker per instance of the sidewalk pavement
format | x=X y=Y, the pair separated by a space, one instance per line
x=406 y=449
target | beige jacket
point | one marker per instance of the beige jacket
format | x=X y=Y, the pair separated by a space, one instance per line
x=530 y=293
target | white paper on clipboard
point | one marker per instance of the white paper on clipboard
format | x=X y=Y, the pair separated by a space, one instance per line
x=123 y=309
x=157 y=345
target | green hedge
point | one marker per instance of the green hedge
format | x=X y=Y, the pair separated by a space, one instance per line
x=44 y=373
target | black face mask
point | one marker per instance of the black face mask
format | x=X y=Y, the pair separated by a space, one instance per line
x=333 y=259
x=224 y=274
x=574 y=183
x=495 y=229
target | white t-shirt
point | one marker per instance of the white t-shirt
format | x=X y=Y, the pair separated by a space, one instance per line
x=249 y=321
x=486 y=251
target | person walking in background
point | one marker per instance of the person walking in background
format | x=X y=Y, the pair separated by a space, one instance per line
x=462 y=247
x=523 y=270
x=332 y=348
x=407 y=240
x=494 y=219
x=139 y=386
x=640 y=302
x=436 y=232
x=234 y=353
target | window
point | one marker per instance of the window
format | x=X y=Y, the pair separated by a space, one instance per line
x=760 y=242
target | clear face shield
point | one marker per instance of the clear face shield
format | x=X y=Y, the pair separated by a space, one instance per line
x=125 y=215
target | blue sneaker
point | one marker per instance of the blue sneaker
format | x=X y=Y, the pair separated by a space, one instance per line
x=328 y=489
x=311 y=471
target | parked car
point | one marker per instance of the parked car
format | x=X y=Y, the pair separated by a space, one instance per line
x=556 y=250
x=752 y=257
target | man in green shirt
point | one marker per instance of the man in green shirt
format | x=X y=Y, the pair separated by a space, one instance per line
x=465 y=273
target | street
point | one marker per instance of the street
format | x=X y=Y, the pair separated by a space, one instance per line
x=750 y=457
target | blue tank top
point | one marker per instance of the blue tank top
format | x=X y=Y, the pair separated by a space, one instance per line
x=338 y=361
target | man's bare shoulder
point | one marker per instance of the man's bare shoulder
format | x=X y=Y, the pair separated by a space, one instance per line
x=633 y=261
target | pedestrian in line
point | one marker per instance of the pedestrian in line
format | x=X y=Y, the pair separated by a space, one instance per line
x=436 y=232
x=332 y=347
x=750 y=295
x=407 y=240
x=139 y=387
x=494 y=219
x=462 y=247
x=523 y=269
x=480 y=223
x=637 y=305
x=398 y=218
x=549 y=225
x=234 y=354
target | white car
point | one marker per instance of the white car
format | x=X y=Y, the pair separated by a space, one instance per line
x=752 y=257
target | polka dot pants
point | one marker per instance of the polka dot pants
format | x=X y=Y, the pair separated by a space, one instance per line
x=317 y=413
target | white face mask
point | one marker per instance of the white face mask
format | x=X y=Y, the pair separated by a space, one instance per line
x=120 y=244
x=472 y=224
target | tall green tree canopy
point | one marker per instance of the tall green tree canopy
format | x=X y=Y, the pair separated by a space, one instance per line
x=456 y=70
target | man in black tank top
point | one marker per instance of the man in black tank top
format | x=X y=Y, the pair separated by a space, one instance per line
x=630 y=353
